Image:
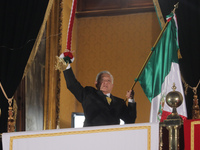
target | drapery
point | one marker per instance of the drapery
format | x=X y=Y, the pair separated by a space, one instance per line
x=21 y=28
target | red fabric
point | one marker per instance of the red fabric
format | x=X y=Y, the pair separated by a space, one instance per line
x=164 y=115
x=69 y=54
x=70 y=26
x=168 y=19
x=188 y=136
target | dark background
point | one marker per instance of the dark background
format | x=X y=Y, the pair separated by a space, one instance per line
x=20 y=21
x=188 y=17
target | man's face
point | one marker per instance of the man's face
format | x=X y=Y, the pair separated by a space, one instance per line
x=106 y=83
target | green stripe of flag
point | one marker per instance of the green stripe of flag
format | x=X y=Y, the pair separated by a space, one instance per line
x=159 y=65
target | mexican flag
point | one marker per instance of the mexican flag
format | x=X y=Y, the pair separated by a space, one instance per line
x=161 y=72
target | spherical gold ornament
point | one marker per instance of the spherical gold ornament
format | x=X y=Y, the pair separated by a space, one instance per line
x=174 y=99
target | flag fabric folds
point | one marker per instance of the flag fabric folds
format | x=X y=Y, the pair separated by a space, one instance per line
x=161 y=72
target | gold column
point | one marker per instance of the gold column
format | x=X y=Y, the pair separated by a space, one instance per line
x=173 y=122
x=173 y=126
x=52 y=77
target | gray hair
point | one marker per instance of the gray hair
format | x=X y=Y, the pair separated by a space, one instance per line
x=102 y=72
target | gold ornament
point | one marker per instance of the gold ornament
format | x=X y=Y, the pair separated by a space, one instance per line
x=60 y=64
x=195 y=108
x=174 y=99
x=11 y=121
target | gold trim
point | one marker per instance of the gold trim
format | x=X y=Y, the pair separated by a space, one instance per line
x=12 y=138
x=192 y=133
x=159 y=13
x=52 y=77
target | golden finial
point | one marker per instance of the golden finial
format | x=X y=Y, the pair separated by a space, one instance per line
x=174 y=87
x=175 y=7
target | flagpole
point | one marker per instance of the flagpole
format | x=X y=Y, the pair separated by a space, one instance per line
x=145 y=63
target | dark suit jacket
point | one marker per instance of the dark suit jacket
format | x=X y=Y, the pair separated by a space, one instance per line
x=96 y=109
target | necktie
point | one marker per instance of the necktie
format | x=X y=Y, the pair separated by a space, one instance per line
x=108 y=100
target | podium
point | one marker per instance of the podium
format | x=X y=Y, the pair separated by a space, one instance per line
x=143 y=136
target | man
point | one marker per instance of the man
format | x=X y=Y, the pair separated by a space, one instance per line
x=97 y=110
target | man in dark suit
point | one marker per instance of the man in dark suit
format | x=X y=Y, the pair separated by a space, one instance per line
x=97 y=109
